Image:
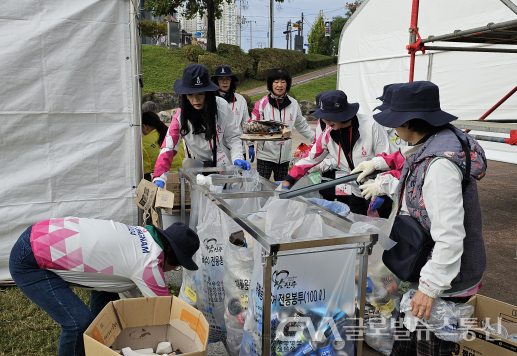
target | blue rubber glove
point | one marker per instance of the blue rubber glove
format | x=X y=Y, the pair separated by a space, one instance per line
x=289 y=187
x=251 y=151
x=376 y=204
x=243 y=164
x=159 y=183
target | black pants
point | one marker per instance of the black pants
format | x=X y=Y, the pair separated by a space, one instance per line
x=279 y=170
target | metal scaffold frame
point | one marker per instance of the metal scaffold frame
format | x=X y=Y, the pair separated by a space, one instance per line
x=504 y=33
x=364 y=243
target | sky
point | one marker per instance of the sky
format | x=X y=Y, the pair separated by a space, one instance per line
x=257 y=11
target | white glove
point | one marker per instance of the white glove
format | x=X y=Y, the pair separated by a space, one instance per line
x=367 y=167
x=369 y=191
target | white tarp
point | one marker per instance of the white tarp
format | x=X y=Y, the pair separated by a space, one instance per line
x=373 y=53
x=66 y=145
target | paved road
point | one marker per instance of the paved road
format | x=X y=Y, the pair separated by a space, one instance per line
x=296 y=80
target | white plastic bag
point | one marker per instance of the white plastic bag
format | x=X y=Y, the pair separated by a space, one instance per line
x=445 y=321
x=238 y=268
x=283 y=216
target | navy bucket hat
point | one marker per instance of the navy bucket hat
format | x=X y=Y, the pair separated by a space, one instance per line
x=196 y=79
x=416 y=100
x=184 y=242
x=224 y=71
x=381 y=98
x=386 y=97
x=334 y=106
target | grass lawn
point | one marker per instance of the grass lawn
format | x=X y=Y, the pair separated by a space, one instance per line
x=308 y=91
x=25 y=329
x=250 y=83
x=161 y=68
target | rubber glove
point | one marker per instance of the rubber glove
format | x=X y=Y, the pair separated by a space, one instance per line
x=367 y=167
x=369 y=191
x=251 y=152
x=159 y=183
x=243 y=164
x=286 y=187
x=376 y=204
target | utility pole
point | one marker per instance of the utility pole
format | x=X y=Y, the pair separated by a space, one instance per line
x=287 y=35
x=240 y=22
x=290 y=36
x=271 y=23
x=251 y=37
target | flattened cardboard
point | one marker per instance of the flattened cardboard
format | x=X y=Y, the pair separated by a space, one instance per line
x=145 y=194
x=487 y=311
x=144 y=322
x=164 y=200
x=173 y=185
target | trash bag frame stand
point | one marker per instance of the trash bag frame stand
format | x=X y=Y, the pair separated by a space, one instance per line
x=364 y=243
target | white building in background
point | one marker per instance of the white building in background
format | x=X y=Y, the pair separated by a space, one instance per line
x=196 y=24
x=226 y=28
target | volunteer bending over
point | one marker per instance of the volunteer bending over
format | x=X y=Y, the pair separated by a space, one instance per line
x=436 y=189
x=227 y=83
x=349 y=139
x=204 y=122
x=105 y=256
x=274 y=156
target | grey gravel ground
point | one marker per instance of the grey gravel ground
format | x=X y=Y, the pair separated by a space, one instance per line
x=216 y=349
x=173 y=278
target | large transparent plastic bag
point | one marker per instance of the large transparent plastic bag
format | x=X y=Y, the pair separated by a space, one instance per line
x=238 y=268
x=446 y=320
x=313 y=294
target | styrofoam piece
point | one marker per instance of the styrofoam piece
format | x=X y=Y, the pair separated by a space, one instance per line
x=126 y=351
x=147 y=351
x=164 y=348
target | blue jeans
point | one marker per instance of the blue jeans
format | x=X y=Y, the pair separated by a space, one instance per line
x=52 y=294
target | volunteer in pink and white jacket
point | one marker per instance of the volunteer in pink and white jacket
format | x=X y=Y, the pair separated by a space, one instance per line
x=274 y=156
x=227 y=83
x=205 y=123
x=105 y=256
x=348 y=138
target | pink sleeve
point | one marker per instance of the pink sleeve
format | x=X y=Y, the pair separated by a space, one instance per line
x=395 y=160
x=255 y=114
x=169 y=148
x=152 y=281
x=317 y=154
x=394 y=173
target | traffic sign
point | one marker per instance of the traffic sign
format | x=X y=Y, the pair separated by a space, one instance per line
x=328 y=25
x=306 y=44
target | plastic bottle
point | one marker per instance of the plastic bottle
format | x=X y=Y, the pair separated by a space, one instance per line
x=381 y=299
x=325 y=348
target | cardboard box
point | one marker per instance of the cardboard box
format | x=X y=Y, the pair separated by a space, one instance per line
x=149 y=197
x=487 y=311
x=144 y=322
x=173 y=185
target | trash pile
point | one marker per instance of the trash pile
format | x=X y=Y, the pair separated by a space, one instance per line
x=163 y=348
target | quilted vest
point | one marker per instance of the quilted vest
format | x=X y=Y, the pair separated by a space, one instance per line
x=446 y=144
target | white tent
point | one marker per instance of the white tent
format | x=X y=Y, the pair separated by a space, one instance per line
x=372 y=53
x=70 y=98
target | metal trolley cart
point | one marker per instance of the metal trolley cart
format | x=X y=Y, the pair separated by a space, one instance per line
x=363 y=243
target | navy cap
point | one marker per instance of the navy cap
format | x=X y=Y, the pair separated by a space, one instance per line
x=318 y=97
x=381 y=98
x=416 y=100
x=196 y=79
x=184 y=242
x=224 y=71
x=334 y=106
x=386 y=97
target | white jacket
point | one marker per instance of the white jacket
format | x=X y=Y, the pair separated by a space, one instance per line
x=372 y=141
x=291 y=115
x=228 y=135
x=241 y=114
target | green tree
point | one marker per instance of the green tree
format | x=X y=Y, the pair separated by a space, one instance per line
x=318 y=41
x=192 y=7
x=153 y=29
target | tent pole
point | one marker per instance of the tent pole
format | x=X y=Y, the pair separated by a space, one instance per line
x=413 y=37
x=469 y=49
x=496 y=105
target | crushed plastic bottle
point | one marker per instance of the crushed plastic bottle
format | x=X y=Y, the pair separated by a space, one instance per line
x=445 y=320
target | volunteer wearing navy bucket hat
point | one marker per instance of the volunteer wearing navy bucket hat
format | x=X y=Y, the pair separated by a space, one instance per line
x=395 y=141
x=346 y=138
x=104 y=256
x=437 y=190
x=227 y=83
x=204 y=122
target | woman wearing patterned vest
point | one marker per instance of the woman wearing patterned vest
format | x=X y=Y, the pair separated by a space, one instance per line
x=431 y=191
